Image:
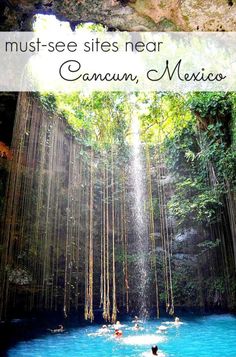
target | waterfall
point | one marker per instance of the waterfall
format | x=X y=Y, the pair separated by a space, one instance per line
x=75 y=232
x=139 y=217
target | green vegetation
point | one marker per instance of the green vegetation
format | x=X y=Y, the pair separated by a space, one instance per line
x=70 y=236
x=196 y=133
x=195 y=136
x=99 y=120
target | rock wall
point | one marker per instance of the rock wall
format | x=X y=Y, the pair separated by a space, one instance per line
x=126 y=15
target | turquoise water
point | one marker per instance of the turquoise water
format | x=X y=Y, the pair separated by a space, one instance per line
x=208 y=336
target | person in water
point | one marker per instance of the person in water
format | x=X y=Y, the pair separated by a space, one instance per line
x=136 y=320
x=177 y=321
x=154 y=350
x=104 y=329
x=136 y=327
x=60 y=329
x=162 y=328
x=117 y=325
x=118 y=333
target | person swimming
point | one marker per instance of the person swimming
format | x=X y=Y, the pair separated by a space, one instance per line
x=118 y=333
x=117 y=325
x=136 y=327
x=104 y=329
x=60 y=329
x=162 y=328
x=136 y=320
x=154 y=350
x=177 y=321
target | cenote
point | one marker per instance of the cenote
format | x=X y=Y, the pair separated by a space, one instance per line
x=113 y=205
x=197 y=336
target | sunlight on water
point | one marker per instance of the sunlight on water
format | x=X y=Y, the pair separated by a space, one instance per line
x=143 y=340
x=207 y=336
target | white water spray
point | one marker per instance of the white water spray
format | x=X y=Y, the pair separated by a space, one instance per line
x=139 y=217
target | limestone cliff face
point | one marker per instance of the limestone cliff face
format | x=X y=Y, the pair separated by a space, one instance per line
x=129 y=15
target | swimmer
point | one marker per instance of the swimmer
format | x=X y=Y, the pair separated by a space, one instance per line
x=136 y=320
x=162 y=328
x=154 y=350
x=104 y=329
x=60 y=329
x=118 y=333
x=177 y=321
x=137 y=327
x=117 y=325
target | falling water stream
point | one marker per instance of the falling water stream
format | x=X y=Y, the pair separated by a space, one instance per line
x=139 y=216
